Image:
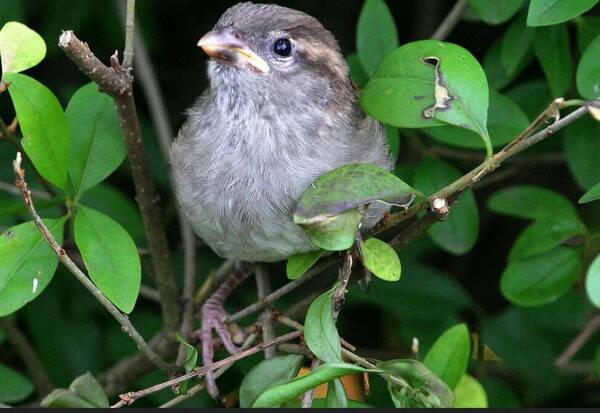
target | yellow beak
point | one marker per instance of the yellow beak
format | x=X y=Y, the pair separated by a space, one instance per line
x=222 y=45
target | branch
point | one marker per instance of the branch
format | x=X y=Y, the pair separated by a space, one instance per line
x=129 y=35
x=122 y=319
x=131 y=397
x=263 y=284
x=451 y=20
x=28 y=355
x=117 y=83
x=578 y=342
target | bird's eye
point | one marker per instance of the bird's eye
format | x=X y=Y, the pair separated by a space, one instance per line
x=283 y=47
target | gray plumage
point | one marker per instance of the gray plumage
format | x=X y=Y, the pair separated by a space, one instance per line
x=253 y=142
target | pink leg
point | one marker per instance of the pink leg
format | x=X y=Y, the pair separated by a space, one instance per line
x=212 y=316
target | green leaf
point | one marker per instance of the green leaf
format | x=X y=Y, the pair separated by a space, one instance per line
x=588 y=71
x=592 y=282
x=407 y=79
x=88 y=388
x=20 y=47
x=588 y=27
x=191 y=354
x=357 y=72
x=544 y=235
x=282 y=393
x=532 y=202
x=320 y=332
x=469 y=393
x=62 y=398
x=27 y=264
x=347 y=187
x=541 y=279
x=97 y=148
x=591 y=195
x=497 y=75
x=582 y=149
x=338 y=233
x=553 y=50
x=268 y=374
x=298 y=264
x=336 y=395
x=496 y=11
x=376 y=34
x=110 y=256
x=426 y=389
x=43 y=125
x=516 y=44
x=548 y=12
x=381 y=259
x=14 y=387
x=505 y=121
x=448 y=358
x=458 y=234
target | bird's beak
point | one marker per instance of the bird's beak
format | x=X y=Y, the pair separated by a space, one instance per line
x=223 y=45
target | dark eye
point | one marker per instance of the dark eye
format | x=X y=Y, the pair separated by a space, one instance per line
x=283 y=47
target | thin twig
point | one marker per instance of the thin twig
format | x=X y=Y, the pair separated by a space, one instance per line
x=29 y=356
x=129 y=398
x=451 y=20
x=118 y=83
x=9 y=188
x=578 y=342
x=263 y=284
x=129 y=35
x=122 y=319
x=149 y=294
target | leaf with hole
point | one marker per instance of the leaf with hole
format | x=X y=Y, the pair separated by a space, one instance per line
x=27 y=263
x=541 y=279
x=448 y=358
x=320 y=332
x=20 y=47
x=291 y=389
x=548 y=12
x=376 y=34
x=43 y=125
x=97 y=148
x=110 y=256
x=381 y=259
x=267 y=374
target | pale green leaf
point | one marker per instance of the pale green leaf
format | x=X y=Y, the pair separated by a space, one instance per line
x=381 y=259
x=20 y=47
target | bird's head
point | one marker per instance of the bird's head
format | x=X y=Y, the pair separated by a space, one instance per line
x=274 y=48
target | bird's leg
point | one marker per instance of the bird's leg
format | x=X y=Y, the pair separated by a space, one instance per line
x=212 y=316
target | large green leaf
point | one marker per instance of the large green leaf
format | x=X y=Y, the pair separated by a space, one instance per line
x=532 y=202
x=282 y=393
x=298 y=264
x=407 y=79
x=582 y=149
x=497 y=75
x=553 y=50
x=459 y=232
x=381 y=259
x=110 y=256
x=267 y=374
x=591 y=195
x=548 y=12
x=13 y=386
x=43 y=125
x=592 y=282
x=27 y=264
x=320 y=332
x=337 y=233
x=347 y=187
x=376 y=34
x=541 y=279
x=426 y=389
x=496 y=11
x=505 y=121
x=543 y=235
x=97 y=148
x=448 y=358
x=20 y=47
x=516 y=44
x=469 y=393
x=588 y=71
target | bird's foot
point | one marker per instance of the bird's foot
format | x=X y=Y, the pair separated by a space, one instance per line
x=212 y=315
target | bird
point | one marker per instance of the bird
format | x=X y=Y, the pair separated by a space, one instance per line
x=280 y=110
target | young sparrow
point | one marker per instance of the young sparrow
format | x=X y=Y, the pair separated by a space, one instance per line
x=280 y=111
